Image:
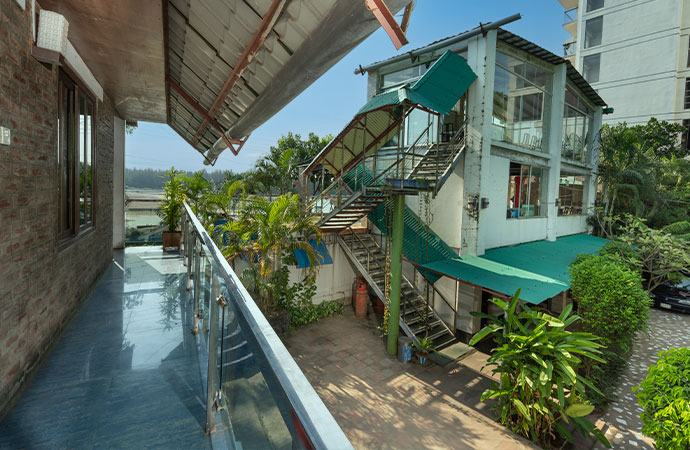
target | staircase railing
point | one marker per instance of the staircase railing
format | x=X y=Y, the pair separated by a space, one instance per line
x=370 y=258
x=338 y=194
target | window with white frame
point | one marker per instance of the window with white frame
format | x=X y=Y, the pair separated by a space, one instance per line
x=521 y=95
x=526 y=191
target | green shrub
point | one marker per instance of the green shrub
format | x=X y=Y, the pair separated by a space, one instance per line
x=537 y=360
x=614 y=306
x=665 y=397
x=297 y=299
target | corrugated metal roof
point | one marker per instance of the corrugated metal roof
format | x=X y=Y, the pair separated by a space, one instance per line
x=535 y=50
x=207 y=38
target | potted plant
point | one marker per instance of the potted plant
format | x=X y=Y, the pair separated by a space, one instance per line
x=170 y=210
x=424 y=346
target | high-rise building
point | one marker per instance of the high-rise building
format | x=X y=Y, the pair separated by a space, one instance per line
x=635 y=53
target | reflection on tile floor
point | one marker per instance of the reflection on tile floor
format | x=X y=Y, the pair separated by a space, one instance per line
x=125 y=373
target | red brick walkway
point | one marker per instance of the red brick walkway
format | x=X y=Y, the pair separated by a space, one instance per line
x=383 y=404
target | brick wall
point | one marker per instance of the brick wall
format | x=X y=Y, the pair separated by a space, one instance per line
x=41 y=287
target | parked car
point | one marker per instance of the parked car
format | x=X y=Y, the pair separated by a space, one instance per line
x=674 y=297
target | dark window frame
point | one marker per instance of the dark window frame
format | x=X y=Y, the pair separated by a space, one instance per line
x=584 y=69
x=71 y=152
x=590 y=25
x=686 y=98
x=593 y=7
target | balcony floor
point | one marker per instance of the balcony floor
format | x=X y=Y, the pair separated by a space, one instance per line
x=125 y=373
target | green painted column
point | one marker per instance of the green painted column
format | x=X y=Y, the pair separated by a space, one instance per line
x=396 y=273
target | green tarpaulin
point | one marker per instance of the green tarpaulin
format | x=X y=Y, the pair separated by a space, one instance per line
x=539 y=269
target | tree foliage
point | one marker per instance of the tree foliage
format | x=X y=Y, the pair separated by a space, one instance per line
x=658 y=254
x=537 y=360
x=267 y=232
x=278 y=172
x=642 y=171
x=613 y=306
x=665 y=397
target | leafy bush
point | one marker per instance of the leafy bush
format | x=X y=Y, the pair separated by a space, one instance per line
x=537 y=359
x=297 y=299
x=665 y=397
x=612 y=305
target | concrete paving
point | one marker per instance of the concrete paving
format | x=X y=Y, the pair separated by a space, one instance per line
x=667 y=330
x=381 y=403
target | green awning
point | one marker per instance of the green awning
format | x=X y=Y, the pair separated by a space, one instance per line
x=539 y=269
x=380 y=119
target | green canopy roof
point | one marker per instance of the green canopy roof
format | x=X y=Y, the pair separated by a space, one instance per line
x=539 y=269
x=438 y=90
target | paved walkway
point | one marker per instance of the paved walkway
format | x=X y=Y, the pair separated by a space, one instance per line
x=125 y=373
x=667 y=330
x=381 y=403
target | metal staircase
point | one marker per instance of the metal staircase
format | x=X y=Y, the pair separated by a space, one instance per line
x=440 y=161
x=356 y=193
x=418 y=318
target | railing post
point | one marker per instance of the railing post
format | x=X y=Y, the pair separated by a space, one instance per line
x=184 y=239
x=197 y=287
x=190 y=252
x=213 y=383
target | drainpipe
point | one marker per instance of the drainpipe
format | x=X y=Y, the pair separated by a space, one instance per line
x=396 y=274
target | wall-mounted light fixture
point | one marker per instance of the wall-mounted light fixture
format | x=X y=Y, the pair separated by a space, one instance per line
x=52 y=32
x=485 y=202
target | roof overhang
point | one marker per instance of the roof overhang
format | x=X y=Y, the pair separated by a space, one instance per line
x=214 y=70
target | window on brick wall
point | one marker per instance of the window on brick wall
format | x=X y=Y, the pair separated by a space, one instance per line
x=76 y=149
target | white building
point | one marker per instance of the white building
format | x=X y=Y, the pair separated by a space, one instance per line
x=525 y=174
x=635 y=53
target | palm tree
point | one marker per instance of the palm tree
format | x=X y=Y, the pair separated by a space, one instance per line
x=267 y=231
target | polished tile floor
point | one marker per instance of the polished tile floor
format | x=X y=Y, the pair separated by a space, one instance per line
x=125 y=374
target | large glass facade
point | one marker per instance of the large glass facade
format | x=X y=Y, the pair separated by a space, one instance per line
x=526 y=191
x=522 y=94
x=577 y=119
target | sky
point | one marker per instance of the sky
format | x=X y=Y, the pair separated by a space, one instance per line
x=331 y=101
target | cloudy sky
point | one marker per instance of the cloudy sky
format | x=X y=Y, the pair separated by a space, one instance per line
x=329 y=104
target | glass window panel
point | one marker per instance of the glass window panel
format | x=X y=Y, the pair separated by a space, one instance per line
x=519 y=97
x=590 y=66
x=593 y=5
x=82 y=161
x=593 y=31
x=88 y=183
x=525 y=191
x=571 y=189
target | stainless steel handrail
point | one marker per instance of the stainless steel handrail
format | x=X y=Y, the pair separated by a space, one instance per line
x=318 y=423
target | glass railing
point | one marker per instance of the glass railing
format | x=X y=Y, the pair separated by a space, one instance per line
x=256 y=395
x=569 y=16
x=569 y=49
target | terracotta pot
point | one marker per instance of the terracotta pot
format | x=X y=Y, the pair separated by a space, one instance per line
x=172 y=239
